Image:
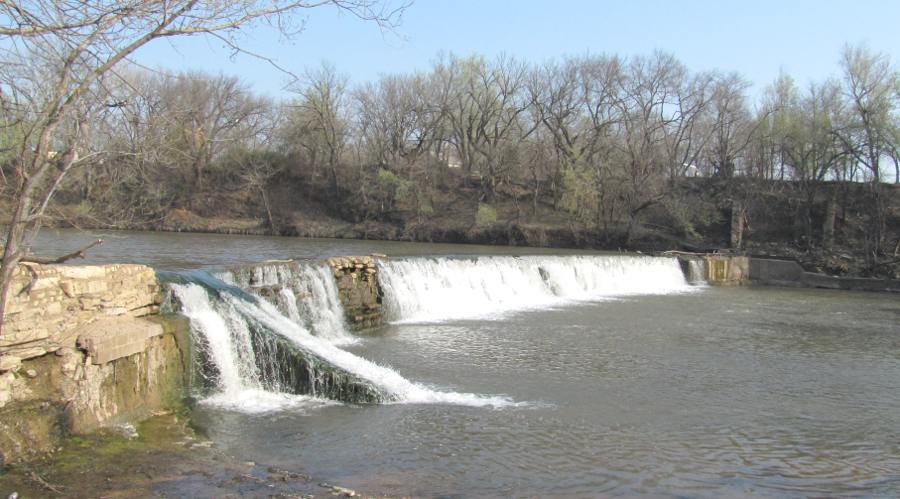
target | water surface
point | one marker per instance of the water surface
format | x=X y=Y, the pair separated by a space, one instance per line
x=184 y=250
x=721 y=392
x=716 y=392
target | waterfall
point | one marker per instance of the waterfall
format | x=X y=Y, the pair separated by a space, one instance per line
x=696 y=271
x=304 y=292
x=269 y=335
x=436 y=289
x=259 y=356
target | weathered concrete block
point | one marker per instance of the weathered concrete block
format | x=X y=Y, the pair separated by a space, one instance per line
x=727 y=270
x=776 y=272
x=112 y=338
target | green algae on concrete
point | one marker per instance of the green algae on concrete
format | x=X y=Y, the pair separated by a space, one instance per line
x=163 y=457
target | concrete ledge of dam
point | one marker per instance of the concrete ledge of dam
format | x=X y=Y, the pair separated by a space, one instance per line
x=740 y=270
x=788 y=273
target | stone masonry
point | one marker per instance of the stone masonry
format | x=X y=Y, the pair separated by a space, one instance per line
x=49 y=306
x=83 y=347
x=358 y=289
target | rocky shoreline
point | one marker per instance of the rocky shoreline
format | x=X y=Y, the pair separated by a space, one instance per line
x=163 y=457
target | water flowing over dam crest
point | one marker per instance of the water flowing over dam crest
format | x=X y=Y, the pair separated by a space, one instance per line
x=269 y=336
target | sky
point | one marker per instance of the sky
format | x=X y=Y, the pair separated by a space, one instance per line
x=756 y=38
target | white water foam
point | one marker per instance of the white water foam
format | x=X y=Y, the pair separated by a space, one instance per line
x=227 y=339
x=258 y=401
x=308 y=295
x=440 y=289
x=220 y=323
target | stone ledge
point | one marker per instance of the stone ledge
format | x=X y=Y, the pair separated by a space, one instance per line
x=112 y=338
x=61 y=299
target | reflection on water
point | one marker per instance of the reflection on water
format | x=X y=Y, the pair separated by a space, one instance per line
x=181 y=251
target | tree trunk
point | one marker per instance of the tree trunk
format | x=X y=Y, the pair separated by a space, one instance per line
x=737 y=225
x=265 y=197
x=13 y=251
x=828 y=223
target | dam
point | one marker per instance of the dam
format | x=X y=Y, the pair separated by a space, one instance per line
x=454 y=371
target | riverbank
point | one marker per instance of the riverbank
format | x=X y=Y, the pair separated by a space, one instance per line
x=828 y=233
x=161 y=456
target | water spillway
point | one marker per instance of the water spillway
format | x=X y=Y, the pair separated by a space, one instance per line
x=251 y=357
x=305 y=293
x=269 y=331
x=254 y=348
x=436 y=289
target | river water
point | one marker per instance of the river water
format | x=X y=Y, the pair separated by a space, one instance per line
x=646 y=387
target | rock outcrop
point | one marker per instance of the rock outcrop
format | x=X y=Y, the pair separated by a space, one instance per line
x=82 y=348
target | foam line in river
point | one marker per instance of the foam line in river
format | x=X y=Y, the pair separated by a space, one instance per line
x=438 y=289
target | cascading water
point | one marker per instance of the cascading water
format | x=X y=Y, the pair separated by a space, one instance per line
x=272 y=331
x=305 y=293
x=696 y=271
x=437 y=289
x=260 y=355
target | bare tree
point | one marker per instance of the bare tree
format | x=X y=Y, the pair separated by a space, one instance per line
x=655 y=131
x=54 y=55
x=206 y=115
x=576 y=102
x=872 y=88
x=319 y=119
x=731 y=122
x=484 y=112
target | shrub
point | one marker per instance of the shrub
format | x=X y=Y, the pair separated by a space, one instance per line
x=486 y=215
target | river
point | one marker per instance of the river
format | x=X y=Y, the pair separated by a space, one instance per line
x=648 y=387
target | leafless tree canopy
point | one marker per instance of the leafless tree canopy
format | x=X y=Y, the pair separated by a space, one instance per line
x=60 y=61
x=607 y=140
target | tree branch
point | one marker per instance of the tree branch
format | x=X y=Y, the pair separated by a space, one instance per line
x=75 y=254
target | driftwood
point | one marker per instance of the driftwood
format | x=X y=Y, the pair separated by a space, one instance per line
x=683 y=253
x=28 y=260
x=75 y=254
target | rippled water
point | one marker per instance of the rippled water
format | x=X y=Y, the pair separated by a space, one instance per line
x=720 y=392
x=182 y=251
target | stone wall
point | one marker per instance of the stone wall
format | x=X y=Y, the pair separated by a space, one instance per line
x=81 y=348
x=49 y=306
x=358 y=288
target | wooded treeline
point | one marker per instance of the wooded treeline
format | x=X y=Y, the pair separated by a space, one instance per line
x=610 y=141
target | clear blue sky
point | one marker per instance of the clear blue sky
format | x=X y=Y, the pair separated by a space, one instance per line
x=755 y=38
